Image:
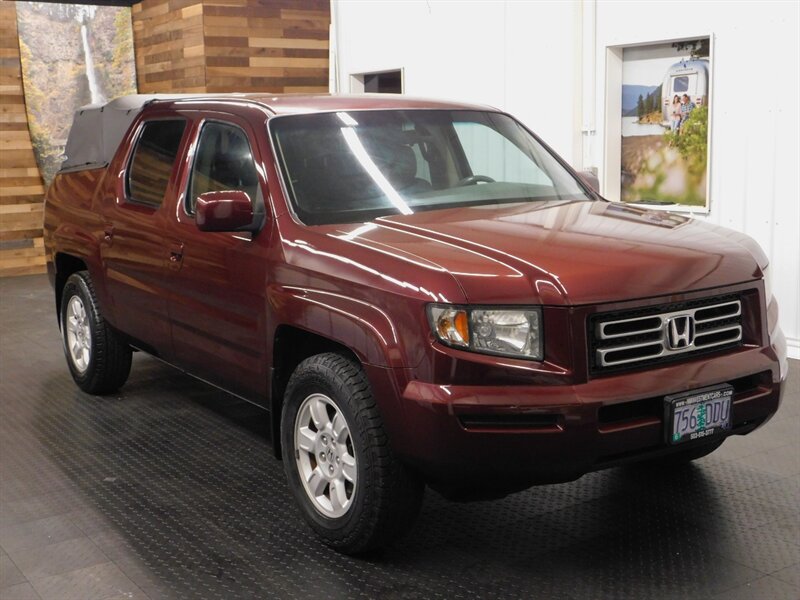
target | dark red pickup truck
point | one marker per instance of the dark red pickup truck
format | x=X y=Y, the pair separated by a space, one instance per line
x=419 y=292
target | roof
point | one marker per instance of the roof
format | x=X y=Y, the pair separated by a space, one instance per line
x=283 y=104
x=98 y=129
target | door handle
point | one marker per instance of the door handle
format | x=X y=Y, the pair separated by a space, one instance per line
x=175 y=255
x=108 y=233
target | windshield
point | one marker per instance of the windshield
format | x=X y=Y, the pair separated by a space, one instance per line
x=349 y=167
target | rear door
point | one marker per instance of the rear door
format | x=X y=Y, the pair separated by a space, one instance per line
x=217 y=305
x=134 y=251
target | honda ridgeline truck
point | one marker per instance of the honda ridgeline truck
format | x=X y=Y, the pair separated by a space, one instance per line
x=419 y=293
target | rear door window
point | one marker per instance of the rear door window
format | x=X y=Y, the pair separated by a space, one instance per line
x=153 y=160
x=223 y=161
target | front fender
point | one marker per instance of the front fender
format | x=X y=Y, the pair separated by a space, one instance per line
x=366 y=329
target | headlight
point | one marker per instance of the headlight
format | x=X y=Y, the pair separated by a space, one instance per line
x=767 y=284
x=505 y=332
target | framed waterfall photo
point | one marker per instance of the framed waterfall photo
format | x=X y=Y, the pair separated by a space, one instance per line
x=88 y=50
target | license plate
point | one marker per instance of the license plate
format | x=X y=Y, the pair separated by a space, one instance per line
x=698 y=414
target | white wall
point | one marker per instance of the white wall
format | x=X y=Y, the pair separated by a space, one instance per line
x=755 y=131
x=518 y=56
x=538 y=61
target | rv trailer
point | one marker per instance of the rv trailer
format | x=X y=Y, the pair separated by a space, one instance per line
x=690 y=77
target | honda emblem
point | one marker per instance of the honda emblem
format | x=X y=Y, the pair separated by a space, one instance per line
x=680 y=332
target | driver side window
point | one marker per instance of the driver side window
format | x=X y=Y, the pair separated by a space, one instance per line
x=491 y=153
x=223 y=161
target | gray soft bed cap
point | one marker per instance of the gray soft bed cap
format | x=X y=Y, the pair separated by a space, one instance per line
x=98 y=129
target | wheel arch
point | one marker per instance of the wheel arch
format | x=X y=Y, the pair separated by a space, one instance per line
x=291 y=346
x=65 y=265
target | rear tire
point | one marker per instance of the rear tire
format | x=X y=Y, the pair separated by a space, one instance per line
x=350 y=487
x=98 y=360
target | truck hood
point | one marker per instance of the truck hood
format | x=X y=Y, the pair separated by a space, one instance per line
x=565 y=253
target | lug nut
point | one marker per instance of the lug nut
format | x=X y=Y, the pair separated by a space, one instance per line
x=322 y=456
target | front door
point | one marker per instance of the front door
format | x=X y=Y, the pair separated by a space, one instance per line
x=218 y=306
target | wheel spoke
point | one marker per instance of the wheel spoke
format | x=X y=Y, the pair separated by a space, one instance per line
x=316 y=483
x=306 y=439
x=324 y=455
x=340 y=429
x=349 y=468
x=338 y=494
x=319 y=414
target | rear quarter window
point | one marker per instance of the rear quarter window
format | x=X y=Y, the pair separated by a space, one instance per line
x=153 y=160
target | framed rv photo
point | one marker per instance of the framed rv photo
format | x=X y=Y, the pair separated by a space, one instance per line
x=664 y=104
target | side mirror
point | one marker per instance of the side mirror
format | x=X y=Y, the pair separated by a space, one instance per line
x=230 y=210
x=590 y=179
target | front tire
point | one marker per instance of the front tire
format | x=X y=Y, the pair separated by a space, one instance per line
x=98 y=360
x=351 y=489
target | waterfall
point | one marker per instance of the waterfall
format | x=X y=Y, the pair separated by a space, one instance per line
x=94 y=89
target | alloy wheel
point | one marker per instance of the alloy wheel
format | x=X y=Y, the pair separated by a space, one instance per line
x=325 y=455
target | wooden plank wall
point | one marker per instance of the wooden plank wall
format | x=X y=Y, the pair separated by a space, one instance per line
x=274 y=46
x=232 y=45
x=21 y=187
x=168 y=44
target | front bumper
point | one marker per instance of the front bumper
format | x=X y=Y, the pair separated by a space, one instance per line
x=506 y=438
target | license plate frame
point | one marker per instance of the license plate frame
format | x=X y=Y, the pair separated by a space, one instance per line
x=718 y=396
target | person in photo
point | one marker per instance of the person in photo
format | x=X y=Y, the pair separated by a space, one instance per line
x=675 y=113
x=687 y=106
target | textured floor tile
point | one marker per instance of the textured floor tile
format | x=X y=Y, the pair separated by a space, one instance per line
x=31 y=508
x=57 y=558
x=9 y=574
x=752 y=548
x=790 y=574
x=783 y=461
x=97 y=582
x=41 y=532
x=88 y=519
x=787 y=529
x=22 y=591
x=766 y=588
x=175 y=484
x=130 y=596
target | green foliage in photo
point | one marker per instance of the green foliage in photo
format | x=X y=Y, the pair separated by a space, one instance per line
x=692 y=141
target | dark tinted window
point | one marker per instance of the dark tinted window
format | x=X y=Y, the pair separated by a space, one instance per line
x=353 y=166
x=153 y=160
x=223 y=161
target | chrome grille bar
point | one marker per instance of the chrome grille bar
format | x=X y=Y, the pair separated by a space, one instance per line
x=711 y=326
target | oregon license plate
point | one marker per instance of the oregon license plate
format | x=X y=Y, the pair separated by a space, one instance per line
x=698 y=414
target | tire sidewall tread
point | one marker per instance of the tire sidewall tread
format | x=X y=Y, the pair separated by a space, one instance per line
x=110 y=358
x=387 y=497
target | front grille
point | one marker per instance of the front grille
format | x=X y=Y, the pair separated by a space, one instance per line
x=638 y=337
